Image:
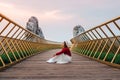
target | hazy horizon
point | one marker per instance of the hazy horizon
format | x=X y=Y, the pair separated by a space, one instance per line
x=57 y=18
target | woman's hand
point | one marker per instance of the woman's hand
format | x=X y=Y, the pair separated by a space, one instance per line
x=54 y=55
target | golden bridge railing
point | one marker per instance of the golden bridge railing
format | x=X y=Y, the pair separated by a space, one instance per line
x=101 y=43
x=17 y=43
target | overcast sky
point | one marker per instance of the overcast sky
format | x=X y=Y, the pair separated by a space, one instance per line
x=58 y=17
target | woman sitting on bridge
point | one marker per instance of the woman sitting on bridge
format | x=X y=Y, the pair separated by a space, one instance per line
x=62 y=57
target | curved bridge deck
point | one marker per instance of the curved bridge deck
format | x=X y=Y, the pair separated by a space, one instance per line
x=81 y=68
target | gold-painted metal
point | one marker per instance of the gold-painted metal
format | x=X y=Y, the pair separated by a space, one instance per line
x=100 y=45
x=96 y=42
x=20 y=44
x=116 y=25
x=2 y=62
x=98 y=48
x=1 y=19
x=5 y=52
x=89 y=44
x=11 y=50
x=4 y=28
x=109 y=49
x=115 y=54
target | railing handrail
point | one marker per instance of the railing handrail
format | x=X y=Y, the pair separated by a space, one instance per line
x=18 y=43
x=100 y=45
x=98 y=26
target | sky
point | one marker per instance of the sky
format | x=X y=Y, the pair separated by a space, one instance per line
x=57 y=18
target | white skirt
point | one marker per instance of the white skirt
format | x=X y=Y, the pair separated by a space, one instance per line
x=60 y=59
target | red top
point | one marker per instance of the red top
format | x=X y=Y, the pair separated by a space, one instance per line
x=65 y=51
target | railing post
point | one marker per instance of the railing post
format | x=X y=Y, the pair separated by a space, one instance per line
x=103 y=44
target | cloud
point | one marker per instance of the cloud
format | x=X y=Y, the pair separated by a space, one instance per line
x=55 y=15
x=48 y=15
x=7 y=8
x=6 y=5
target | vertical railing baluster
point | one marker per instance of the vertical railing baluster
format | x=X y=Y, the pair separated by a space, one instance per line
x=100 y=45
x=16 y=45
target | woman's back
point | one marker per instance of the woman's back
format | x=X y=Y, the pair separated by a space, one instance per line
x=67 y=51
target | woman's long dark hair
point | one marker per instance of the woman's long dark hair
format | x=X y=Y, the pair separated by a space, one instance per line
x=65 y=45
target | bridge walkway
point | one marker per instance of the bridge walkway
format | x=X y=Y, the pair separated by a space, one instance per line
x=81 y=68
